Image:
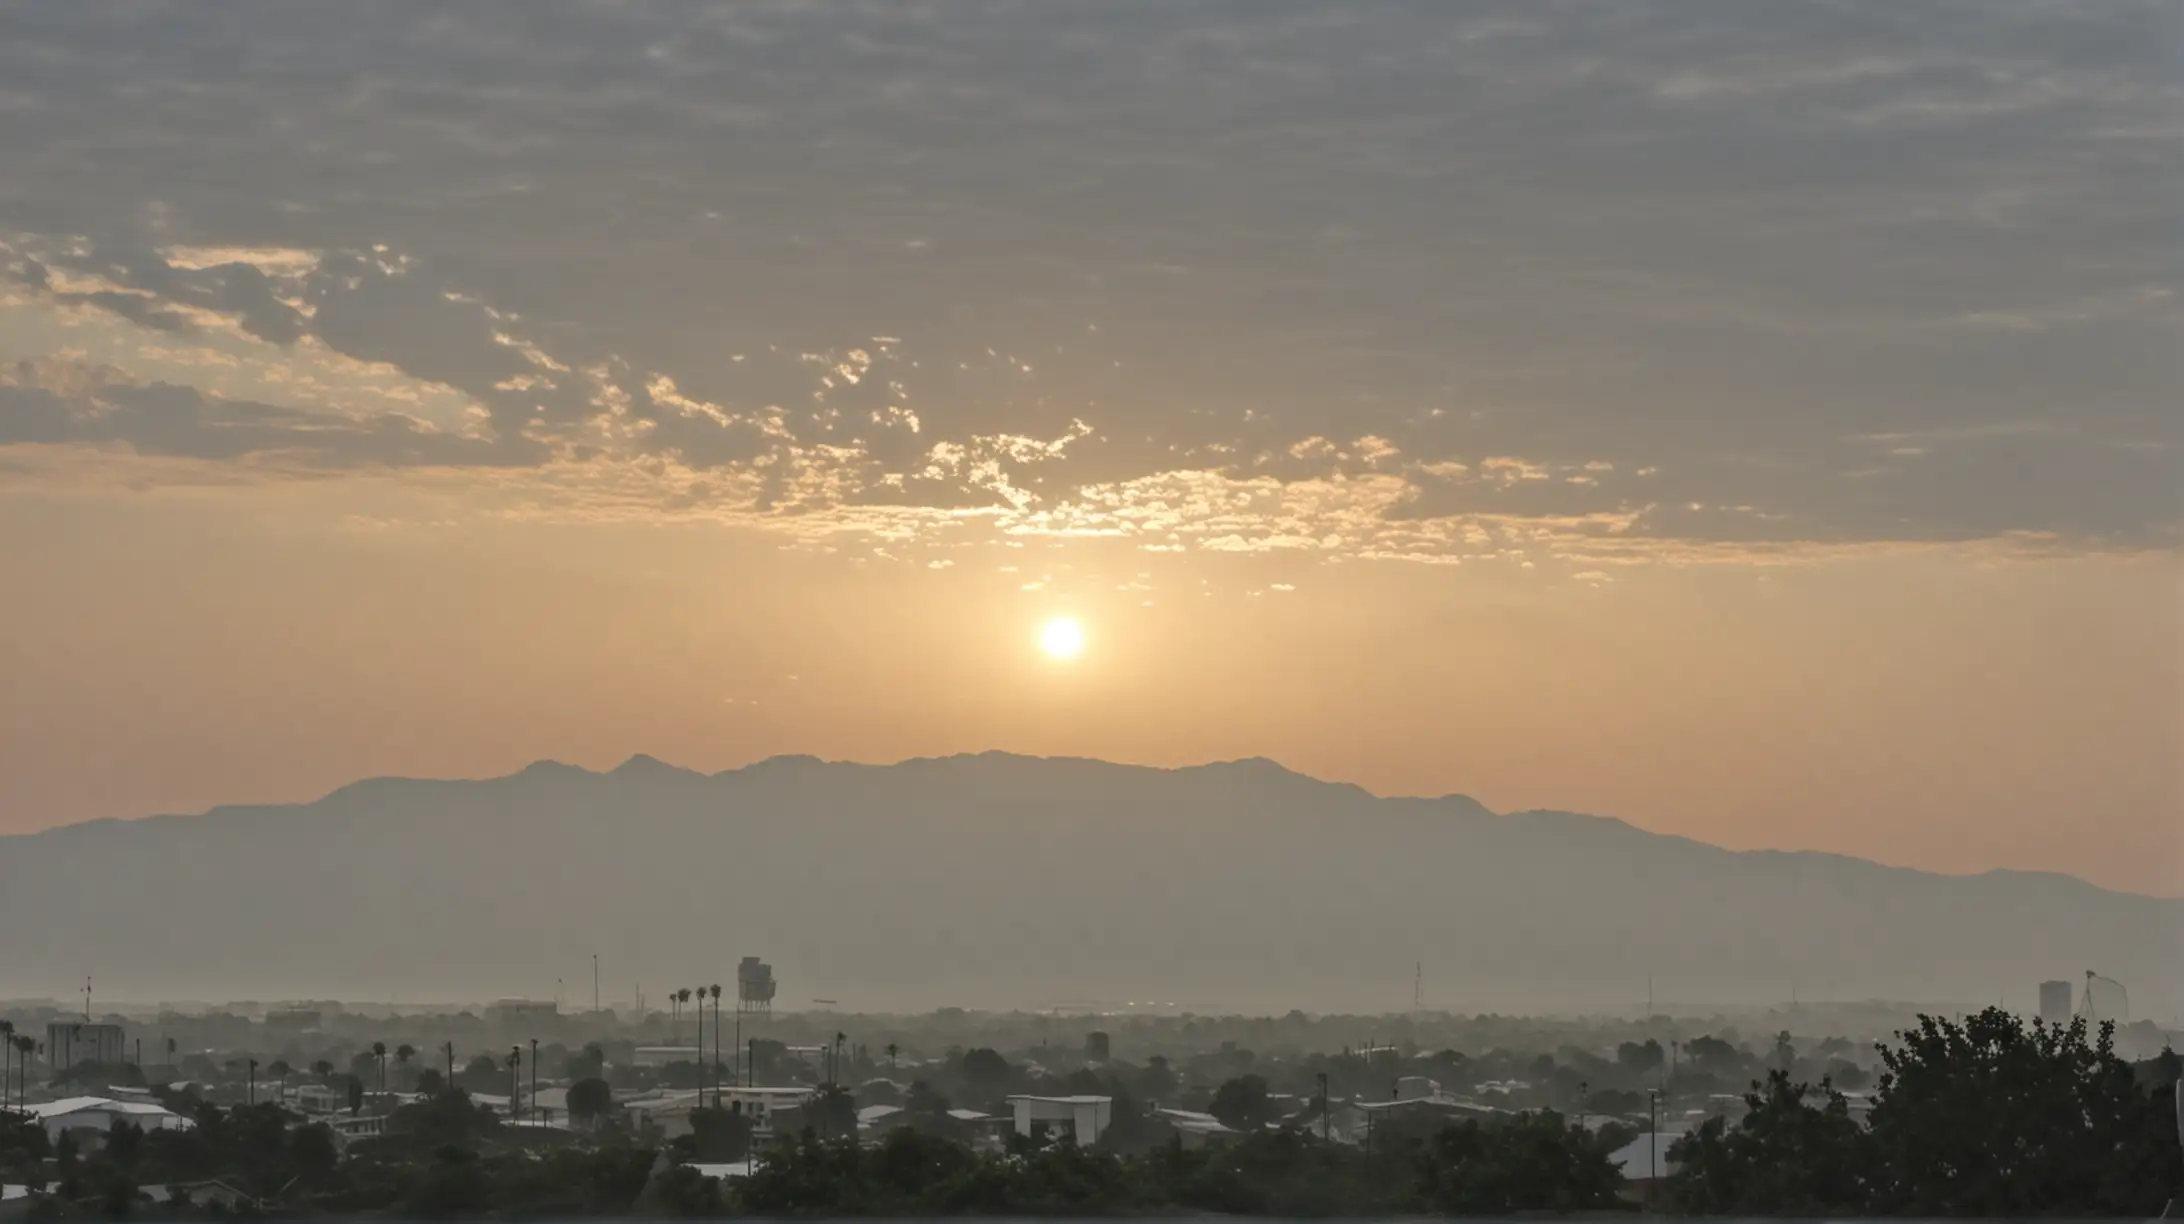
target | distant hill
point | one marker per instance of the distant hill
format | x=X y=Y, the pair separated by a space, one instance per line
x=999 y=880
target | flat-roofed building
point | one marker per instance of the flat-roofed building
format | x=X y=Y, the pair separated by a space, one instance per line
x=72 y=1043
x=1085 y=1118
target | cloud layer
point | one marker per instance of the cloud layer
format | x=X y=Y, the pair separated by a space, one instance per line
x=1403 y=280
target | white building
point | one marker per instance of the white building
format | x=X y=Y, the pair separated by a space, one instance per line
x=1644 y=1161
x=71 y=1043
x=670 y=1111
x=1085 y=1117
x=102 y=1114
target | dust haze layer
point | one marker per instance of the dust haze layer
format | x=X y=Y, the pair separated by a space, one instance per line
x=998 y=881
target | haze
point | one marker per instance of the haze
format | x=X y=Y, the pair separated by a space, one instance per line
x=1758 y=423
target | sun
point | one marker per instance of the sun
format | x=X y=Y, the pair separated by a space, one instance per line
x=1062 y=638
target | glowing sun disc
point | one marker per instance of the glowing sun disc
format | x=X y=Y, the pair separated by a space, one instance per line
x=1062 y=639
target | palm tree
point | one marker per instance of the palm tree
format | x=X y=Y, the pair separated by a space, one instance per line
x=280 y=1067
x=25 y=1046
x=323 y=1069
x=402 y=1054
x=713 y=1068
x=515 y=1082
x=379 y=1051
x=892 y=1051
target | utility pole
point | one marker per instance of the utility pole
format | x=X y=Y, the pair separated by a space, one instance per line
x=1653 y=1140
x=534 y=1075
x=450 y=1065
x=595 y=984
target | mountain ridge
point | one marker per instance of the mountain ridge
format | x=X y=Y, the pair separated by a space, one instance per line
x=643 y=764
x=992 y=878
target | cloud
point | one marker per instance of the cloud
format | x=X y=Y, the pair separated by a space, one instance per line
x=1434 y=281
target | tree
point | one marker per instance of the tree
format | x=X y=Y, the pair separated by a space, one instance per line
x=1992 y=1117
x=587 y=1063
x=1531 y=1162
x=402 y=1055
x=1796 y=1151
x=1241 y=1103
x=356 y=1095
x=430 y=1082
x=834 y=1113
x=722 y=1134
x=312 y=1150
x=1158 y=1082
x=379 y=1051
x=985 y=1070
x=1785 y=1051
x=925 y=1101
x=892 y=1051
x=1713 y=1056
x=590 y=1100
x=1640 y=1059
x=324 y=1069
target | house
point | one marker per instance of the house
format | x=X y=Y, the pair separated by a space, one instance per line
x=318 y=1098
x=1194 y=1129
x=876 y=1120
x=198 y=1194
x=988 y=1131
x=348 y=1129
x=1084 y=1118
x=102 y=1114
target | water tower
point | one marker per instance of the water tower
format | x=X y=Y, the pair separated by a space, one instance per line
x=755 y=987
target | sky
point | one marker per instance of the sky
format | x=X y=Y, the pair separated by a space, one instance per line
x=1755 y=422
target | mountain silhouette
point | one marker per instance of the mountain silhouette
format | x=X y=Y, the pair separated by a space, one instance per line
x=995 y=880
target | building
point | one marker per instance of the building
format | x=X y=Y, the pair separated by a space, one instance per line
x=1644 y=1163
x=2055 y=1002
x=72 y=1043
x=1193 y=1129
x=760 y=1104
x=102 y=1114
x=1085 y=1118
x=669 y=1112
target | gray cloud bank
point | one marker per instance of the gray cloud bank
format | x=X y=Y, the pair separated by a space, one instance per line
x=1388 y=275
